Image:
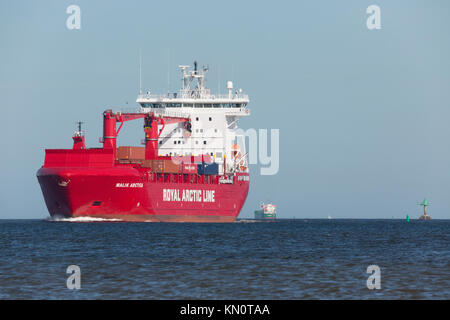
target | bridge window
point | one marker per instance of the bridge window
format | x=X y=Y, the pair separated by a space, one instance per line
x=149 y=105
x=187 y=105
x=217 y=105
x=226 y=105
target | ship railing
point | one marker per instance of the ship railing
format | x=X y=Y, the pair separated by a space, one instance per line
x=193 y=96
x=208 y=96
x=161 y=112
x=168 y=112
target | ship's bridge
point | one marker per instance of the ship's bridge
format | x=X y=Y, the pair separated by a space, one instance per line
x=207 y=101
x=195 y=95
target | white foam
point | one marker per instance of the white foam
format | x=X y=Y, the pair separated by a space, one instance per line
x=246 y=221
x=82 y=219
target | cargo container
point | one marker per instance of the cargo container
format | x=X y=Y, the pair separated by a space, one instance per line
x=188 y=168
x=131 y=153
x=202 y=158
x=208 y=168
x=192 y=159
x=147 y=163
x=166 y=166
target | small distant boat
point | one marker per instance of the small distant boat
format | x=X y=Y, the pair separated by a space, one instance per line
x=266 y=211
x=329 y=217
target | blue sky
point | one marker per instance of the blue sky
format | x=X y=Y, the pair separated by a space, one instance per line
x=363 y=114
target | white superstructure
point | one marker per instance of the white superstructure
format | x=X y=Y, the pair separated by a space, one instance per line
x=213 y=117
x=269 y=208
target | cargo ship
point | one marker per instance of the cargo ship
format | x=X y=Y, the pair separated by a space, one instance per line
x=192 y=168
x=266 y=211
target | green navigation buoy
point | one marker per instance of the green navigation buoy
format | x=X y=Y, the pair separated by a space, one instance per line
x=424 y=204
x=407 y=217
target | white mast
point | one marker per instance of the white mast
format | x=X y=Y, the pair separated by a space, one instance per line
x=140 y=71
x=168 y=71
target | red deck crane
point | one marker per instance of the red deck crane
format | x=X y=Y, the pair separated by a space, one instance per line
x=151 y=122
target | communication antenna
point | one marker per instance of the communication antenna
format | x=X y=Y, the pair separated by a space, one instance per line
x=218 y=79
x=140 y=71
x=168 y=71
x=232 y=72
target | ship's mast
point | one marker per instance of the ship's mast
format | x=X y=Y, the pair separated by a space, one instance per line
x=79 y=127
x=140 y=72
x=189 y=79
x=78 y=138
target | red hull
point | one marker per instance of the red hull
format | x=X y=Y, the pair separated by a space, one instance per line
x=131 y=194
